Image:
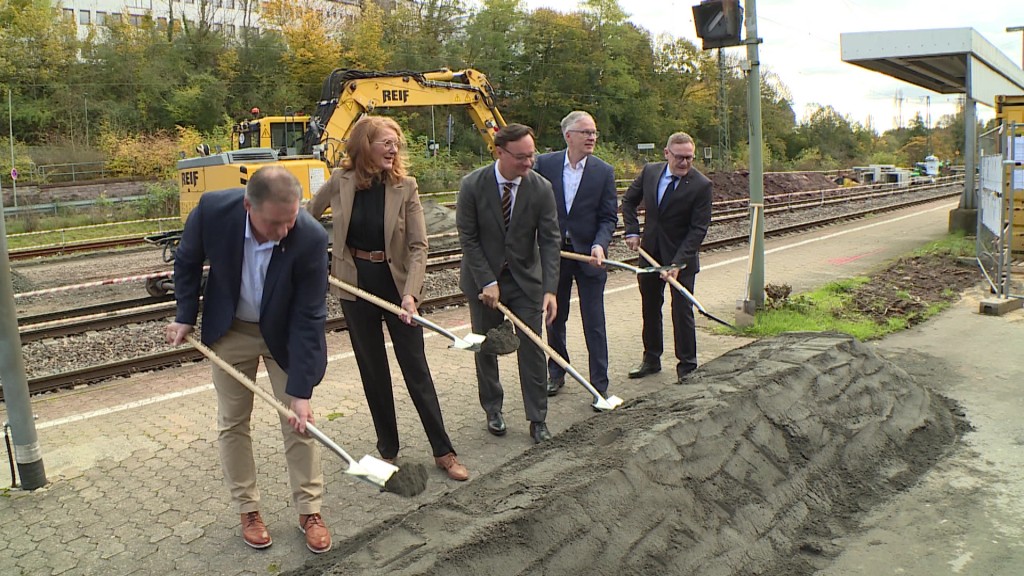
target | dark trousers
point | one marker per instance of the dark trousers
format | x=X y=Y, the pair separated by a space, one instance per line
x=684 y=328
x=530 y=356
x=591 y=290
x=367 y=335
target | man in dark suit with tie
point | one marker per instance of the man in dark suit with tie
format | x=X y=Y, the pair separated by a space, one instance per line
x=265 y=297
x=677 y=199
x=508 y=229
x=584 y=187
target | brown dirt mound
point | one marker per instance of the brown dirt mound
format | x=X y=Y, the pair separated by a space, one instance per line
x=910 y=286
x=736 y=185
x=760 y=464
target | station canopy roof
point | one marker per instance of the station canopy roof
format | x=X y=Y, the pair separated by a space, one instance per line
x=947 y=61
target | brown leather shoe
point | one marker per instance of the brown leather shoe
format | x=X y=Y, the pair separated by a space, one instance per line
x=254 y=531
x=450 y=464
x=318 y=538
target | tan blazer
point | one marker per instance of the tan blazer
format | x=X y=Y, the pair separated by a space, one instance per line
x=405 y=231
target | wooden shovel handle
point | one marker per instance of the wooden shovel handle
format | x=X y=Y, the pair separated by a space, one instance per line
x=242 y=378
x=372 y=298
x=671 y=279
x=575 y=256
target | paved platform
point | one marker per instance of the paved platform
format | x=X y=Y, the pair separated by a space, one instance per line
x=134 y=474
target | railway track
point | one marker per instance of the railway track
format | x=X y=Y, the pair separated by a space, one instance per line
x=90 y=246
x=147 y=309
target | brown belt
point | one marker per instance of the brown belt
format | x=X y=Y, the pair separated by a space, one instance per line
x=375 y=256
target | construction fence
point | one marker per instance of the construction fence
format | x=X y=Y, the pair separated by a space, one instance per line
x=1000 y=238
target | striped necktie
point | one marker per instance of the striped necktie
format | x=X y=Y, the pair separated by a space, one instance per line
x=506 y=202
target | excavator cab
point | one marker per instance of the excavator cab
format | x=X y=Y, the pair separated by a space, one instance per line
x=281 y=133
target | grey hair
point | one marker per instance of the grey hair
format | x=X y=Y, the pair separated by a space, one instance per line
x=272 y=183
x=680 y=138
x=572 y=118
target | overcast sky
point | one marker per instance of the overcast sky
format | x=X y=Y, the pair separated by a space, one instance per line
x=801 y=46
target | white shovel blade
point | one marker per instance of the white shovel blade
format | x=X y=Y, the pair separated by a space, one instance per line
x=607 y=404
x=469 y=342
x=373 y=470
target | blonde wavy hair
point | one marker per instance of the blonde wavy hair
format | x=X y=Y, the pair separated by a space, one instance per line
x=357 y=151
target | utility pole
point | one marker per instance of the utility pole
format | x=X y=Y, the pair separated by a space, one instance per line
x=10 y=132
x=1019 y=29
x=755 y=279
x=724 y=146
x=27 y=453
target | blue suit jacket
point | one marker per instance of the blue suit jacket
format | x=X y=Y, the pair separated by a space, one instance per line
x=294 y=308
x=594 y=209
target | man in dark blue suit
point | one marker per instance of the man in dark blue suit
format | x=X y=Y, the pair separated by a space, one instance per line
x=677 y=201
x=265 y=297
x=584 y=188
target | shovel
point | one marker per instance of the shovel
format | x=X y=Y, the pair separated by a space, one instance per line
x=617 y=264
x=470 y=343
x=600 y=402
x=407 y=481
x=682 y=290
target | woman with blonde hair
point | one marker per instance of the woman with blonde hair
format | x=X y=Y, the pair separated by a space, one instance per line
x=380 y=245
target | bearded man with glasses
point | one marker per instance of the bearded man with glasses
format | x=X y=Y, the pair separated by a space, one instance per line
x=677 y=202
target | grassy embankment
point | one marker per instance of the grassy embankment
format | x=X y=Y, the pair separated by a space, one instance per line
x=907 y=292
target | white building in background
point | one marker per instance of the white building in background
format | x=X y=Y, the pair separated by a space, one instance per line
x=228 y=16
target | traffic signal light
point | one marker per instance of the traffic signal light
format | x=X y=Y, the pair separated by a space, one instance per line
x=718 y=23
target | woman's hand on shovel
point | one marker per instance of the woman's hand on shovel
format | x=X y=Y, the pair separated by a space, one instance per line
x=408 y=310
x=303 y=413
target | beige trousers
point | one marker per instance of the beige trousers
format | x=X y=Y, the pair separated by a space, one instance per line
x=242 y=347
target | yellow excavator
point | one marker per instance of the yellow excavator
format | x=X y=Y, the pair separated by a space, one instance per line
x=311 y=146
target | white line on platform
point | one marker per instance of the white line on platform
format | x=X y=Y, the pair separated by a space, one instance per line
x=428 y=334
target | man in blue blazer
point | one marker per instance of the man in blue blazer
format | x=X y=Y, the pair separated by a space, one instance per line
x=677 y=199
x=584 y=187
x=265 y=296
x=508 y=229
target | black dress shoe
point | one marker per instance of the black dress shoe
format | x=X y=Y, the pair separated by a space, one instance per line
x=539 y=432
x=496 y=424
x=644 y=368
x=683 y=378
x=554 y=385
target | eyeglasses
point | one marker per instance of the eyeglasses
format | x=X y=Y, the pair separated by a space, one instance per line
x=520 y=157
x=681 y=157
x=390 y=144
x=587 y=133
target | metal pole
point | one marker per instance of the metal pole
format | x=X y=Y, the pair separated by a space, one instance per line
x=1019 y=29
x=27 y=453
x=86 y=119
x=10 y=132
x=755 y=282
x=967 y=199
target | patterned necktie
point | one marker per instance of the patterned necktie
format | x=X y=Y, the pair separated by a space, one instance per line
x=506 y=202
x=668 y=189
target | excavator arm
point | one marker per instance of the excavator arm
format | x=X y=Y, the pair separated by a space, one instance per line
x=348 y=94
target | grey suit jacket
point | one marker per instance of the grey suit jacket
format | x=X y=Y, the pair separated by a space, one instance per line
x=530 y=247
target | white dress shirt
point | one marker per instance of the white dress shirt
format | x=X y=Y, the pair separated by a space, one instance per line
x=255 y=260
x=571 y=176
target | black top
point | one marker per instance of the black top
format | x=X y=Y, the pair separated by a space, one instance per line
x=366 y=230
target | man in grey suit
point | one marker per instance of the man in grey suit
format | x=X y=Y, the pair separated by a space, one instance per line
x=584 y=187
x=508 y=229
